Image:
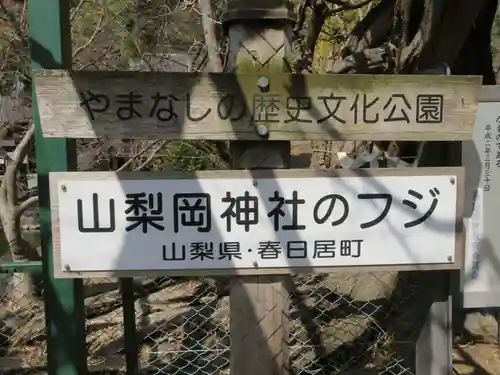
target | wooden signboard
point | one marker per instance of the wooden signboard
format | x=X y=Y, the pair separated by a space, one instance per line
x=256 y=222
x=251 y=107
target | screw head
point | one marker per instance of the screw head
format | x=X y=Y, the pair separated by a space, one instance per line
x=262 y=130
x=254 y=182
x=255 y=264
x=64 y=188
x=452 y=180
x=67 y=267
x=263 y=83
x=450 y=259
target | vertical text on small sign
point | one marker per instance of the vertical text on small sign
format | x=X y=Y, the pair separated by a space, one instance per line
x=481 y=280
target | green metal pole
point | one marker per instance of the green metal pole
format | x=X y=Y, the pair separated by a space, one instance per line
x=64 y=305
x=129 y=326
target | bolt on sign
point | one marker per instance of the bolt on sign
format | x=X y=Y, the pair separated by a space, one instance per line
x=255 y=222
x=225 y=106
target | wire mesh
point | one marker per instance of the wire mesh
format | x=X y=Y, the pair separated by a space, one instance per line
x=104 y=322
x=345 y=322
x=186 y=330
x=22 y=323
x=339 y=323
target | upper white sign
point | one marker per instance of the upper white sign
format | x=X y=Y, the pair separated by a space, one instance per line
x=108 y=224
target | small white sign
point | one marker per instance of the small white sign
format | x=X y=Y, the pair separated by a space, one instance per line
x=244 y=223
x=481 y=158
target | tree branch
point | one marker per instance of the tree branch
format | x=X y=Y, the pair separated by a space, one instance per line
x=210 y=35
x=21 y=209
x=97 y=30
x=9 y=185
x=150 y=156
x=345 y=6
x=369 y=60
x=316 y=22
x=133 y=158
x=449 y=38
x=99 y=27
x=76 y=10
x=433 y=11
x=301 y=17
x=4 y=129
x=372 y=30
x=22 y=148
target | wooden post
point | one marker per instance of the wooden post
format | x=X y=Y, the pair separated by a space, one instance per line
x=258 y=305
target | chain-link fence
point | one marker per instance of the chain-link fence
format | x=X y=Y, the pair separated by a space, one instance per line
x=23 y=348
x=344 y=322
x=338 y=322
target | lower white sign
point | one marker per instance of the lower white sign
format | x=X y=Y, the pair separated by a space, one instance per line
x=107 y=224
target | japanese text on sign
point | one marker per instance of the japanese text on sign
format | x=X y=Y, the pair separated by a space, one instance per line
x=491 y=151
x=197 y=224
x=267 y=108
x=481 y=159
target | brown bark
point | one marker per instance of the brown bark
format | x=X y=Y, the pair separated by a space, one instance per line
x=448 y=38
x=373 y=30
x=315 y=24
x=10 y=210
x=475 y=56
x=22 y=286
x=420 y=35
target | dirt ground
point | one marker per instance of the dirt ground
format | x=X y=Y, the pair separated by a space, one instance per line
x=477 y=351
x=476 y=359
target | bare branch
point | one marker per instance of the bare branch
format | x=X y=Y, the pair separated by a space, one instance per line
x=367 y=61
x=21 y=209
x=320 y=13
x=86 y=157
x=301 y=17
x=9 y=185
x=210 y=35
x=22 y=148
x=76 y=10
x=99 y=27
x=316 y=22
x=151 y=156
x=96 y=32
x=134 y=158
x=346 y=6
x=372 y=30
x=4 y=130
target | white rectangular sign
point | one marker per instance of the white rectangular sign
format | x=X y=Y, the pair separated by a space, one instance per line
x=112 y=224
x=481 y=157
